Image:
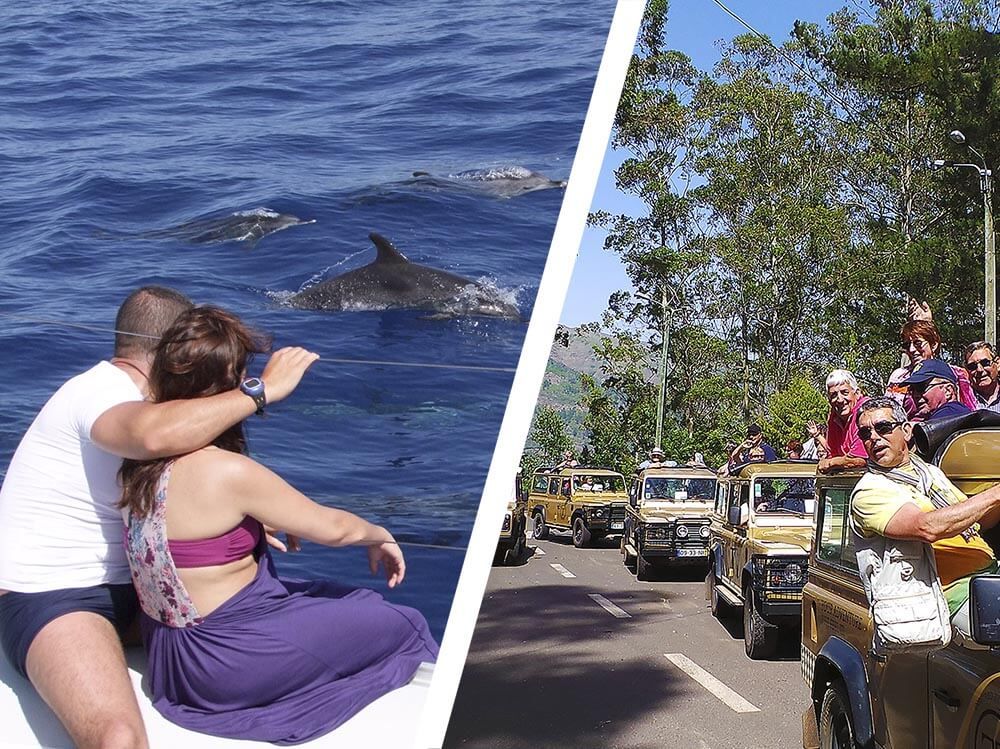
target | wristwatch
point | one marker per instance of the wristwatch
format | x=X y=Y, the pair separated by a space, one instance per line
x=254 y=387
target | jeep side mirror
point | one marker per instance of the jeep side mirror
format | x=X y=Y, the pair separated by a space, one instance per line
x=984 y=609
x=735 y=516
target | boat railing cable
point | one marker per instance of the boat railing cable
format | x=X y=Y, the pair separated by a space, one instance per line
x=323 y=359
x=337 y=360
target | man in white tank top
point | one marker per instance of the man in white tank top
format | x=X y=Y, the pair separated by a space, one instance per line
x=65 y=588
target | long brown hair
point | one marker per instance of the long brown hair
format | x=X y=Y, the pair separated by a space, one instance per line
x=205 y=352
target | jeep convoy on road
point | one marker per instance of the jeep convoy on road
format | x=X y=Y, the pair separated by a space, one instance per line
x=775 y=541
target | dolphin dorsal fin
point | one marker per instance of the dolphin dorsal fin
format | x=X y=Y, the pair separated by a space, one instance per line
x=386 y=252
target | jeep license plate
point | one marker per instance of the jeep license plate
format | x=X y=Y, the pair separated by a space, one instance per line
x=692 y=552
x=617 y=526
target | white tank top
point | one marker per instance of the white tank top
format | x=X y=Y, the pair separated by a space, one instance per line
x=59 y=527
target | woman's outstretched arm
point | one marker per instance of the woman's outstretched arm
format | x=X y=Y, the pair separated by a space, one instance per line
x=255 y=490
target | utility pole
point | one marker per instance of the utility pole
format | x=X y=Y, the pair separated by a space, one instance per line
x=665 y=338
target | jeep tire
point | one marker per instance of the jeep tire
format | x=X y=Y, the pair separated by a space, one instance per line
x=541 y=531
x=515 y=552
x=627 y=558
x=641 y=566
x=760 y=637
x=720 y=609
x=581 y=536
x=836 y=729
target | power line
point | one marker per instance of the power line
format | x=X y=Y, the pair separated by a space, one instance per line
x=858 y=118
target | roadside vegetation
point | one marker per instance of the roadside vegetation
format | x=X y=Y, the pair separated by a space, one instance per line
x=785 y=211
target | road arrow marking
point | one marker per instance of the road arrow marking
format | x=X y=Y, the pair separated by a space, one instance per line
x=726 y=695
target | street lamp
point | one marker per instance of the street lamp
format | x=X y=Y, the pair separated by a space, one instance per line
x=986 y=187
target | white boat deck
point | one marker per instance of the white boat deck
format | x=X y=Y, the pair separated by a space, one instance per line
x=389 y=722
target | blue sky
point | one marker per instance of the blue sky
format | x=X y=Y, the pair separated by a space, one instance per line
x=694 y=27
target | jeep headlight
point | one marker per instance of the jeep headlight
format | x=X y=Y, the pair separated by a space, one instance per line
x=596 y=512
x=704 y=531
x=506 y=522
x=681 y=531
x=793 y=574
x=656 y=531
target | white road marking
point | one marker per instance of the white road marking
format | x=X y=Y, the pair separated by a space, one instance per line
x=605 y=604
x=562 y=570
x=539 y=551
x=726 y=695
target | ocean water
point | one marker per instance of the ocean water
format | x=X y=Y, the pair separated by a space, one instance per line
x=120 y=120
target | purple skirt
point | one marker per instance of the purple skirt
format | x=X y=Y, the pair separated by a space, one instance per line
x=284 y=661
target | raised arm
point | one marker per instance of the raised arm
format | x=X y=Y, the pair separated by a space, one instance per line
x=142 y=430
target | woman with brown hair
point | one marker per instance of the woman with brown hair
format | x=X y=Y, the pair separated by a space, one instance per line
x=232 y=649
x=921 y=341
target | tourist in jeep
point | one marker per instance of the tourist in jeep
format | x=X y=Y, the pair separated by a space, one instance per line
x=568 y=461
x=934 y=388
x=922 y=342
x=981 y=364
x=655 y=460
x=753 y=449
x=905 y=498
x=842 y=442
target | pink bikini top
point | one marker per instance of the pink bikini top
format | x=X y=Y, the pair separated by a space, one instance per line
x=208 y=552
x=154 y=559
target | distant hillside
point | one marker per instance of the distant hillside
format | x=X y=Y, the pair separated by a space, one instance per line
x=561 y=386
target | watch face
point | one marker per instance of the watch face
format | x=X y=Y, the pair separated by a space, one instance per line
x=251 y=385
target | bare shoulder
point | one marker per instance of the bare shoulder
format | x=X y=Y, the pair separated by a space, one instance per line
x=214 y=467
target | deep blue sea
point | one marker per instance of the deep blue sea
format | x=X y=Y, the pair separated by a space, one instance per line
x=121 y=119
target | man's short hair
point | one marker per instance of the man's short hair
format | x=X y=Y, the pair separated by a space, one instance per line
x=839 y=377
x=144 y=316
x=753 y=430
x=882 y=401
x=975 y=346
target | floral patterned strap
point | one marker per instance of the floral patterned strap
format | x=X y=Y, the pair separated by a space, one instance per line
x=161 y=593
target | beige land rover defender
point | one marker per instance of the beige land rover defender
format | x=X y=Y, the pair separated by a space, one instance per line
x=949 y=698
x=589 y=501
x=666 y=522
x=760 y=531
x=513 y=531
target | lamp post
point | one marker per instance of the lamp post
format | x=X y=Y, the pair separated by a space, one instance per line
x=663 y=366
x=989 y=239
x=661 y=370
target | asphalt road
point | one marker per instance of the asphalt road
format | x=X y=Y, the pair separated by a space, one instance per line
x=598 y=659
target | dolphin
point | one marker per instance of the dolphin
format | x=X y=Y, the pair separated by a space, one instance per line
x=391 y=281
x=501 y=182
x=242 y=226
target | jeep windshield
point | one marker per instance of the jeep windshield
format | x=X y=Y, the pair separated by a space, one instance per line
x=675 y=489
x=598 y=484
x=792 y=494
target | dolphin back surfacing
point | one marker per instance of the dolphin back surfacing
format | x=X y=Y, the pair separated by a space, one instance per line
x=391 y=281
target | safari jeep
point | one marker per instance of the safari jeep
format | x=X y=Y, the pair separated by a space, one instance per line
x=760 y=532
x=666 y=522
x=949 y=698
x=589 y=501
x=510 y=545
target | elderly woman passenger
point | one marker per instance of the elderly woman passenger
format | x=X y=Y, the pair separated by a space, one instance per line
x=922 y=341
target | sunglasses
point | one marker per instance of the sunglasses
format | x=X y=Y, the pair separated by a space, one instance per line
x=917 y=390
x=972 y=366
x=882 y=428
